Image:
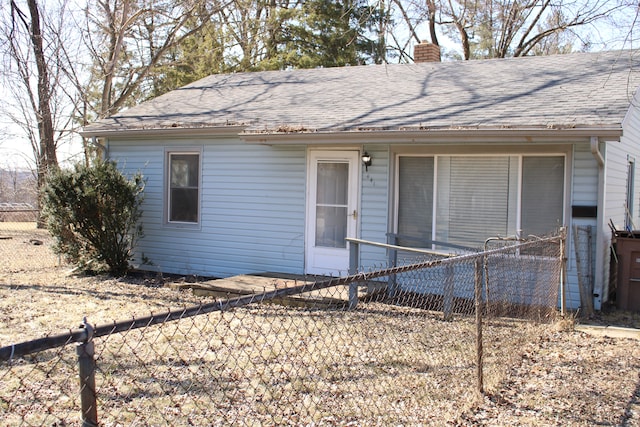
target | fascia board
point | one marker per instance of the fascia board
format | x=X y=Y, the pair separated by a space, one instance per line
x=520 y=135
x=179 y=132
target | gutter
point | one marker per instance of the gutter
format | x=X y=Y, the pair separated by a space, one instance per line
x=523 y=134
x=602 y=244
x=186 y=132
x=412 y=136
x=595 y=150
x=103 y=149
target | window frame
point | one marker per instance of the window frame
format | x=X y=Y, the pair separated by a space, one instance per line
x=169 y=153
x=519 y=154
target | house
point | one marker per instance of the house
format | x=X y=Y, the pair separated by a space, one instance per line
x=264 y=171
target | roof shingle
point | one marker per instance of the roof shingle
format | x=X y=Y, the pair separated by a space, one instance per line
x=574 y=90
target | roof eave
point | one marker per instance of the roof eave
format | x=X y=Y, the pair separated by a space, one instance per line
x=372 y=136
x=162 y=132
x=414 y=136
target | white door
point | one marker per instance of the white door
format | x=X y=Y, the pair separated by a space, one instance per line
x=332 y=210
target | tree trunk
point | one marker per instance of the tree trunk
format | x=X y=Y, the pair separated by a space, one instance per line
x=464 y=37
x=432 y=22
x=45 y=121
x=47 y=158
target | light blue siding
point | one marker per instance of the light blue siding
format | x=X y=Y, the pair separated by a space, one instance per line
x=375 y=206
x=585 y=177
x=505 y=284
x=252 y=208
x=584 y=192
x=253 y=204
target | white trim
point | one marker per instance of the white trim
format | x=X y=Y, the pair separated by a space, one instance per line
x=313 y=256
x=519 y=197
x=174 y=132
x=602 y=241
x=168 y=152
x=434 y=219
x=493 y=136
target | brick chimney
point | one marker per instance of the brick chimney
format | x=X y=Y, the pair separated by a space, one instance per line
x=426 y=52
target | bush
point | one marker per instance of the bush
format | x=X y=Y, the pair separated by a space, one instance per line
x=93 y=213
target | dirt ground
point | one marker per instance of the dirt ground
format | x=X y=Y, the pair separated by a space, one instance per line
x=564 y=377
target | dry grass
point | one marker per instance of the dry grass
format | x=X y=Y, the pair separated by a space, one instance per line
x=271 y=365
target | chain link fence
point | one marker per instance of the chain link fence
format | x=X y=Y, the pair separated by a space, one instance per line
x=412 y=343
x=21 y=240
x=584 y=250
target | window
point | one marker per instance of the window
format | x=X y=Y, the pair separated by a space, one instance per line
x=184 y=187
x=415 y=200
x=542 y=194
x=463 y=200
x=475 y=199
x=332 y=204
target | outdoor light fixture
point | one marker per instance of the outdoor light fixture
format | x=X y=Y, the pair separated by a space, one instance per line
x=366 y=161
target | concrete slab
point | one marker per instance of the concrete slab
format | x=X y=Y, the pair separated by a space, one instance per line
x=609 y=331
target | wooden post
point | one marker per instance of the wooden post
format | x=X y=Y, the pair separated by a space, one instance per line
x=479 y=349
x=87 y=369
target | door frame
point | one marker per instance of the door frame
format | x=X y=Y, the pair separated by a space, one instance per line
x=313 y=256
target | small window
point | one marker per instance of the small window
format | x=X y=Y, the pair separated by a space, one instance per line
x=184 y=187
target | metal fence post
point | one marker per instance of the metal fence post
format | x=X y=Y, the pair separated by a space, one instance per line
x=354 y=258
x=447 y=304
x=478 y=306
x=392 y=287
x=563 y=274
x=87 y=369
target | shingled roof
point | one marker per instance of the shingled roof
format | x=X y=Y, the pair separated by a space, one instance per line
x=560 y=91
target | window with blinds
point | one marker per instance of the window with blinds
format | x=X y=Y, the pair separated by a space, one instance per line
x=415 y=200
x=542 y=194
x=473 y=198
x=475 y=195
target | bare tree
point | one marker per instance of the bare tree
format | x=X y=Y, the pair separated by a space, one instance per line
x=127 y=40
x=252 y=28
x=33 y=72
x=40 y=99
x=502 y=28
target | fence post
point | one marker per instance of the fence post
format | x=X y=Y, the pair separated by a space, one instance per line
x=87 y=368
x=478 y=303
x=392 y=286
x=354 y=258
x=563 y=274
x=447 y=304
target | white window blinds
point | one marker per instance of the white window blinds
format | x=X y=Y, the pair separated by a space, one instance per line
x=474 y=196
x=542 y=194
x=415 y=199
